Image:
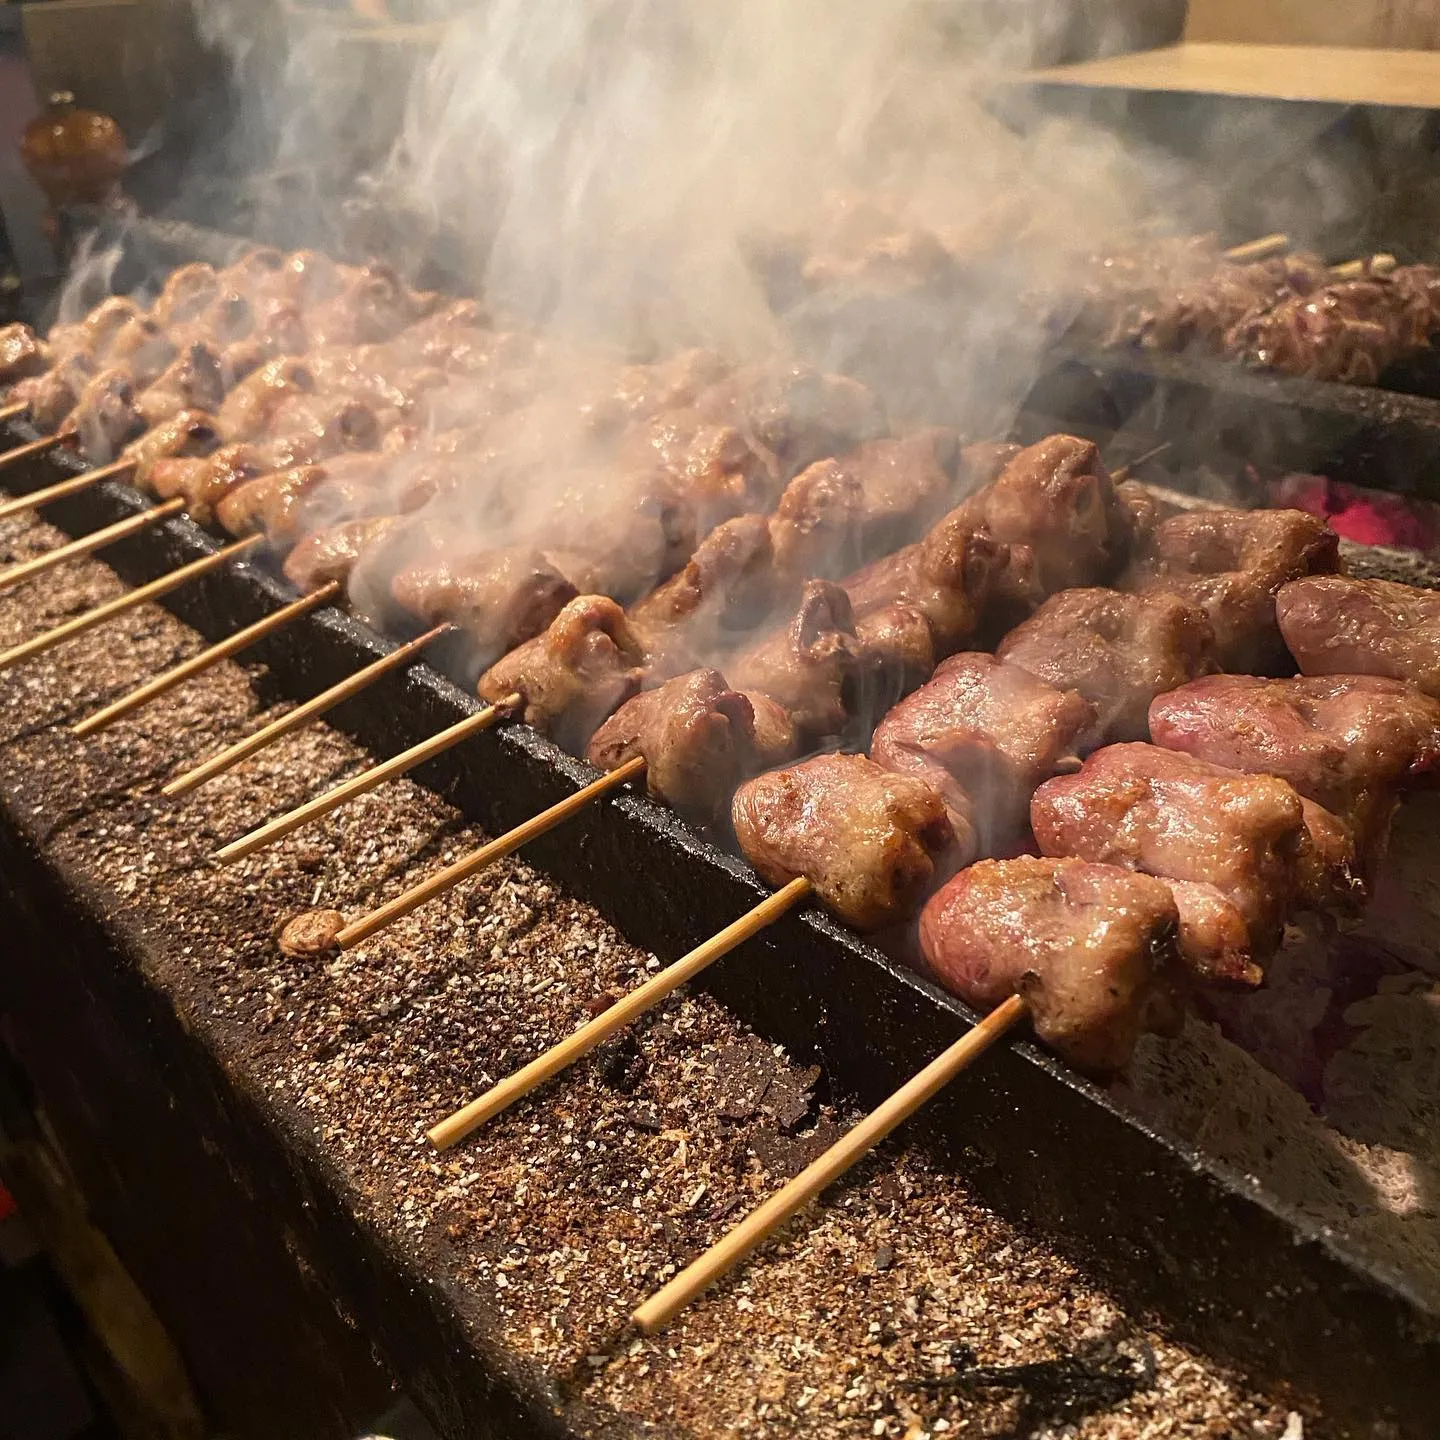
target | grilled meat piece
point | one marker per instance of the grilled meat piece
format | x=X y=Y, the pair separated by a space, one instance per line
x=143 y=348
x=284 y=504
x=185 y=435
x=333 y=552
x=22 y=353
x=870 y=842
x=1090 y=947
x=905 y=485
x=1338 y=626
x=1231 y=563
x=185 y=294
x=1330 y=877
x=250 y=407
x=501 y=597
x=984 y=734
x=336 y=422
x=697 y=737
x=372 y=304
x=1214 y=939
x=569 y=678
x=1339 y=740
x=717 y=467
x=1118 y=651
x=815 y=530
x=104 y=418
x=1178 y=818
x=205 y=483
x=811 y=666
x=94 y=334
x=194 y=380
x=53 y=394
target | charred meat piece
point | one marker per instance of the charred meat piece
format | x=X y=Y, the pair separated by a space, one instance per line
x=185 y=293
x=696 y=736
x=1090 y=947
x=1215 y=942
x=811 y=666
x=1055 y=506
x=946 y=578
x=984 y=734
x=332 y=553
x=251 y=405
x=194 y=380
x=1337 y=739
x=105 y=416
x=1338 y=626
x=569 y=678
x=501 y=597
x=205 y=483
x=1231 y=563
x=870 y=842
x=1178 y=818
x=1118 y=651
x=22 y=353
x=188 y=434
x=52 y=395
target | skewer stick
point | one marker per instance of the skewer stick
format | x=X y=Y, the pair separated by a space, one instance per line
x=242 y=749
x=62 y=488
x=644 y=997
x=477 y=860
x=211 y=655
x=127 y=601
x=35 y=447
x=761 y=1223
x=1260 y=249
x=1366 y=265
x=9 y=412
x=367 y=780
x=88 y=543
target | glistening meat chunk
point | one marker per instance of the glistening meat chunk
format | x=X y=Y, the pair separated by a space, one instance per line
x=1231 y=563
x=569 y=678
x=51 y=395
x=190 y=433
x=251 y=405
x=205 y=483
x=192 y=381
x=871 y=843
x=1090 y=947
x=905 y=485
x=1338 y=626
x=1118 y=651
x=1178 y=818
x=22 y=353
x=1338 y=739
x=984 y=734
x=696 y=736
x=105 y=417
x=332 y=553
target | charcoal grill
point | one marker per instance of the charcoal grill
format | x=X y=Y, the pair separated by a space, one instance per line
x=1227 y=1266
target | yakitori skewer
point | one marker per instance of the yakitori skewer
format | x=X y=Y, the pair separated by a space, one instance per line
x=42 y=446
x=211 y=655
x=128 y=601
x=86 y=544
x=760 y=1224
x=1260 y=249
x=366 y=781
x=477 y=860
x=12 y=412
x=61 y=488
x=312 y=709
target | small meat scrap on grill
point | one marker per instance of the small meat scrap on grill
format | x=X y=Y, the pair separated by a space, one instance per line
x=1338 y=626
x=871 y=843
x=205 y=483
x=249 y=408
x=1090 y=947
x=696 y=736
x=1340 y=740
x=811 y=665
x=1118 y=651
x=1055 y=506
x=585 y=663
x=185 y=435
x=984 y=734
x=501 y=597
x=105 y=416
x=52 y=395
x=926 y=600
x=22 y=353
x=1231 y=563
x=333 y=552
x=1179 y=818
x=192 y=381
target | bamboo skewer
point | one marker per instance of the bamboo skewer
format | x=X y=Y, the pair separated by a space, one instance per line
x=211 y=655
x=35 y=447
x=760 y=1224
x=1261 y=249
x=477 y=860
x=62 y=488
x=127 y=601
x=88 y=543
x=10 y=412
x=644 y=997
x=360 y=784
x=232 y=755
x=1366 y=265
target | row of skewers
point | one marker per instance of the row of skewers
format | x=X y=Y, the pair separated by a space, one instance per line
x=1161 y=866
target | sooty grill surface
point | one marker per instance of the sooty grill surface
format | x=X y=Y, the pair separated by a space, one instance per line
x=491 y=1278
